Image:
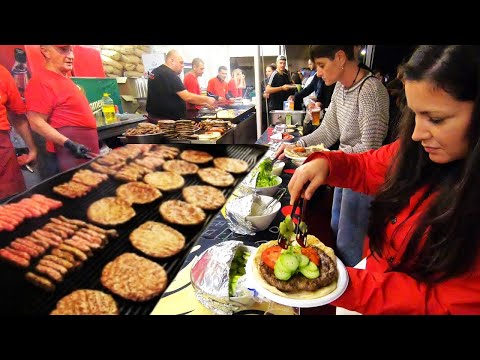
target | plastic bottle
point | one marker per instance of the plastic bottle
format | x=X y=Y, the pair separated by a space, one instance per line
x=20 y=71
x=108 y=108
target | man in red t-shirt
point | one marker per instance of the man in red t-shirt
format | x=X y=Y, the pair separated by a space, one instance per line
x=191 y=81
x=58 y=110
x=12 y=111
x=217 y=86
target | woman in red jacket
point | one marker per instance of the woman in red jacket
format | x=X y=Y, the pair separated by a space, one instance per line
x=424 y=227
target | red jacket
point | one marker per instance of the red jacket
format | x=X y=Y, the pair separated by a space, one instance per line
x=376 y=290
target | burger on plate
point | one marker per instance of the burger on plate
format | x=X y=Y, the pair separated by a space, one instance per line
x=296 y=273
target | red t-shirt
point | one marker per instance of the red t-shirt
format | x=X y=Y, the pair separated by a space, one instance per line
x=232 y=87
x=10 y=98
x=57 y=96
x=191 y=84
x=217 y=87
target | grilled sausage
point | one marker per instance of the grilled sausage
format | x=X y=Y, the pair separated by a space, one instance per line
x=64 y=255
x=65 y=263
x=80 y=255
x=50 y=272
x=40 y=281
x=14 y=259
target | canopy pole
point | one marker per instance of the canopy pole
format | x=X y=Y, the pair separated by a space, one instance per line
x=258 y=91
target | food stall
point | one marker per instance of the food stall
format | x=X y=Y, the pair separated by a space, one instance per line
x=228 y=124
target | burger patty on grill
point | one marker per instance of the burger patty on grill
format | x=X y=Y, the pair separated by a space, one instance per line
x=298 y=282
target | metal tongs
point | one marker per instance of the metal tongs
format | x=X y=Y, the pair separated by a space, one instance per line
x=90 y=155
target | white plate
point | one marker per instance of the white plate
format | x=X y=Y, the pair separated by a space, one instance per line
x=301 y=158
x=278 y=138
x=342 y=284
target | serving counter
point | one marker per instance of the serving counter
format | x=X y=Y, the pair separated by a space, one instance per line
x=118 y=128
x=243 y=132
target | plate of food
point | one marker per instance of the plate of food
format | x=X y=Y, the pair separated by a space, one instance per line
x=302 y=153
x=282 y=137
x=309 y=286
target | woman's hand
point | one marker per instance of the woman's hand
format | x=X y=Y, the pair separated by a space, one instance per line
x=314 y=173
x=279 y=154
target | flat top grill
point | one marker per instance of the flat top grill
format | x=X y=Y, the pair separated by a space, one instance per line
x=18 y=296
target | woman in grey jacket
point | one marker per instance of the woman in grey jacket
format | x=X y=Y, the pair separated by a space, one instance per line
x=358 y=117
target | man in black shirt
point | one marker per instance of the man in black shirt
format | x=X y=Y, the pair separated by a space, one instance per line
x=167 y=96
x=279 y=86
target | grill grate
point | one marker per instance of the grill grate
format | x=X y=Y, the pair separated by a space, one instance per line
x=18 y=296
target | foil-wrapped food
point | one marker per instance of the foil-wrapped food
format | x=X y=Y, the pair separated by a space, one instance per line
x=219 y=280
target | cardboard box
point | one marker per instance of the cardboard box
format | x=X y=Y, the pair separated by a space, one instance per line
x=129 y=103
x=136 y=87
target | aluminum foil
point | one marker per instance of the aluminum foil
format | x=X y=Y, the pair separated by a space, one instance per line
x=210 y=279
x=236 y=213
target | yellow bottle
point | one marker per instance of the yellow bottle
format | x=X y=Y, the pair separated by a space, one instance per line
x=108 y=108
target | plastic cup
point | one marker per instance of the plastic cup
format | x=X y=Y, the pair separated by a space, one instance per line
x=316 y=116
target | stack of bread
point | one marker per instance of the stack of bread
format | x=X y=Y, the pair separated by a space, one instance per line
x=123 y=60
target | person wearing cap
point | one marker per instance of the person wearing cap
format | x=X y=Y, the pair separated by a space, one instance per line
x=218 y=87
x=12 y=113
x=58 y=110
x=280 y=86
x=167 y=96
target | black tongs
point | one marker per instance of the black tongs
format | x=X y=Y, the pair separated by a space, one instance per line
x=301 y=231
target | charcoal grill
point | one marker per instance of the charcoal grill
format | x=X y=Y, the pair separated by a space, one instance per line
x=18 y=296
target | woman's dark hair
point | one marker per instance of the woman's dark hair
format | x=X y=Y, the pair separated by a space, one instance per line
x=296 y=78
x=273 y=66
x=450 y=226
x=329 y=51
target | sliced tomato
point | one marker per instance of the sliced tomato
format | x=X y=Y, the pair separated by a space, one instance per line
x=312 y=255
x=271 y=255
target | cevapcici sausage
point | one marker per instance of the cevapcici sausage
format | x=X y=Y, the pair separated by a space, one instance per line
x=22 y=254
x=39 y=236
x=40 y=281
x=42 y=243
x=89 y=238
x=50 y=235
x=56 y=229
x=61 y=269
x=53 y=204
x=90 y=244
x=20 y=209
x=80 y=245
x=74 y=251
x=64 y=223
x=6 y=226
x=73 y=221
x=30 y=251
x=94 y=234
x=31 y=244
x=65 y=263
x=14 y=259
x=111 y=232
x=50 y=272
x=64 y=255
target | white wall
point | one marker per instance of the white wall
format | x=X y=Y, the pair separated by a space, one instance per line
x=216 y=55
x=213 y=56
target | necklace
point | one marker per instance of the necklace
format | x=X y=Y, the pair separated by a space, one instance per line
x=345 y=89
x=353 y=82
